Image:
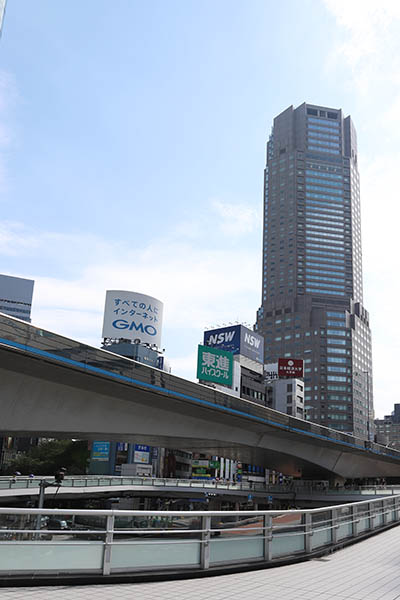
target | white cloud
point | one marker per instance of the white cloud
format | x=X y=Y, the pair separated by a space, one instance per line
x=199 y=285
x=237 y=219
x=366 y=54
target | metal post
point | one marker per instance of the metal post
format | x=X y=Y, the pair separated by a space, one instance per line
x=205 y=542
x=267 y=533
x=308 y=532
x=42 y=486
x=355 y=520
x=335 y=526
x=371 y=510
x=108 y=545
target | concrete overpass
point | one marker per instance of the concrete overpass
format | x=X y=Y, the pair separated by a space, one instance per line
x=52 y=386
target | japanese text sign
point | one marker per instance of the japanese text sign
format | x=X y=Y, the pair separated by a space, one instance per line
x=215 y=365
x=132 y=316
x=290 y=367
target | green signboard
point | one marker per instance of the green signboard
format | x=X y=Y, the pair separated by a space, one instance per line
x=214 y=464
x=215 y=365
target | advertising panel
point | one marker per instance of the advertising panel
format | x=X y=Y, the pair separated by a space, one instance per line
x=132 y=316
x=141 y=454
x=251 y=344
x=238 y=340
x=215 y=365
x=290 y=367
x=100 y=451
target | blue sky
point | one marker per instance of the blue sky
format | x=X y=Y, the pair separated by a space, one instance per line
x=132 y=148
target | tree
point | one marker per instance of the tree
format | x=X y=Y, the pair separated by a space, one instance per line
x=49 y=456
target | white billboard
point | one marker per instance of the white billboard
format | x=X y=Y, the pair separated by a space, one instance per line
x=133 y=316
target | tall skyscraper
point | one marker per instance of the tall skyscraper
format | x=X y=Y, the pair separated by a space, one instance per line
x=312 y=290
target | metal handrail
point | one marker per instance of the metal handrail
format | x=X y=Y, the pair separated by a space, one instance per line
x=312 y=535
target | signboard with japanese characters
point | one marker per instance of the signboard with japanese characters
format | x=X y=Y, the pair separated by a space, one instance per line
x=215 y=365
x=101 y=451
x=141 y=454
x=290 y=367
x=132 y=316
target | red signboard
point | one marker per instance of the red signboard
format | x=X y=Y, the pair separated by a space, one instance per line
x=290 y=367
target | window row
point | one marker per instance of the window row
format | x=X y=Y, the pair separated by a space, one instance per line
x=323 y=273
x=319 y=278
x=336 y=351
x=326 y=227
x=322 y=142
x=334 y=137
x=318 y=173
x=313 y=263
x=313 y=181
x=324 y=203
x=325 y=219
x=326 y=247
x=329 y=285
x=325 y=292
x=323 y=196
x=319 y=149
x=314 y=211
x=318 y=188
x=319 y=121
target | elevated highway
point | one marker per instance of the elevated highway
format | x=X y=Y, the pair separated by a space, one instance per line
x=52 y=386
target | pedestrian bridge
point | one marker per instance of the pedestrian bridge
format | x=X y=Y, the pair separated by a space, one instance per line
x=43 y=544
x=13 y=488
x=52 y=386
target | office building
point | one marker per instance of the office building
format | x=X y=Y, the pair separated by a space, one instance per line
x=16 y=297
x=312 y=289
x=387 y=430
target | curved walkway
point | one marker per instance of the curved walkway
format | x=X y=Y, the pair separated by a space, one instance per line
x=368 y=570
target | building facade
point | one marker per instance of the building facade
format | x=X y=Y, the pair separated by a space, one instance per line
x=312 y=289
x=16 y=297
x=387 y=430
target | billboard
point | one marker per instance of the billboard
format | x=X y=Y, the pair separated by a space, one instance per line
x=215 y=365
x=238 y=340
x=290 y=367
x=133 y=316
x=101 y=451
x=141 y=454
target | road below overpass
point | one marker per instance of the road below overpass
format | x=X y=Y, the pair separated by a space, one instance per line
x=52 y=386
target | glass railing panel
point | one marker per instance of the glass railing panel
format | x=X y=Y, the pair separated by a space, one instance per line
x=362 y=515
x=151 y=541
x=288 y=542
x=43 y=555
x=236 y=549
x=154 y=554
x=288 y=534
x=344 y=522
x=389 y=509
x=322 y=529
x=378 y=510
x=236 y=538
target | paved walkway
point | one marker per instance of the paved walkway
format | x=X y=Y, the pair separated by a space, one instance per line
x=368 y=570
